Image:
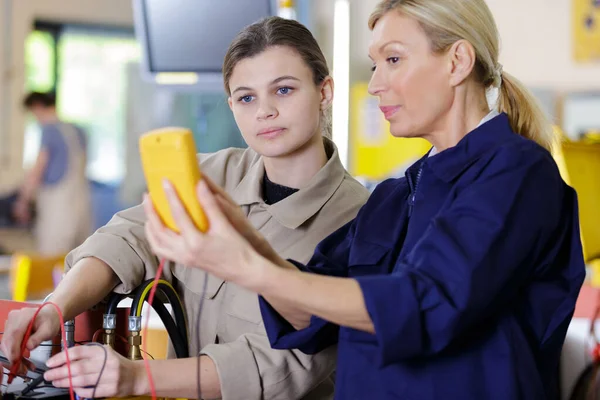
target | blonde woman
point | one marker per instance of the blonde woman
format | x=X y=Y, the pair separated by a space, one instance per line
x=457 y=281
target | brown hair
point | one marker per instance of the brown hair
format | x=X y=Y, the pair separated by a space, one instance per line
x=276 y=31
x=39 y=99
x=446 y=22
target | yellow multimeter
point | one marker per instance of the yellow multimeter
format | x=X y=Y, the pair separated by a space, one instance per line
x=170 y=153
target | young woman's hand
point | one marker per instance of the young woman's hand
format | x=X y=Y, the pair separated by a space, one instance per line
x=120 y=377
x=221 y=251
x=45 y=327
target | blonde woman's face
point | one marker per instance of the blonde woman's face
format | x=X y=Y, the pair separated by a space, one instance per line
x=411 y=82
x=275 y=102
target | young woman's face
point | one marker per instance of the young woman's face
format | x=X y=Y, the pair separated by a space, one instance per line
x=412 y=82
x=275 y=102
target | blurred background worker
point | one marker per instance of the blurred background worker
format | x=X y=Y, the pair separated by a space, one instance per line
x=57 y=182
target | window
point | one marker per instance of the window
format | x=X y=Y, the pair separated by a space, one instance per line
x=91 y=93
x=87 y=68
x=40 y=76
x=40 y=60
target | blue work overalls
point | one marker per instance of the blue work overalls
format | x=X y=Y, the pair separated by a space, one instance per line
x=470 y=268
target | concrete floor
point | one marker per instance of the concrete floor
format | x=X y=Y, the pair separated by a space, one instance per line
x=4 y=290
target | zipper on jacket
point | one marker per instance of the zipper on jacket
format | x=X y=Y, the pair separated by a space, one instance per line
x=413 y=196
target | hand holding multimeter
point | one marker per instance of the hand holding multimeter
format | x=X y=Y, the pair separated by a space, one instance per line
x=170 y=154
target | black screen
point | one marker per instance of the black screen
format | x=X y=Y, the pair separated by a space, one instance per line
x=193 y=35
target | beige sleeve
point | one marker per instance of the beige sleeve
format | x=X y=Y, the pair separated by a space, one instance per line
x=249 y=369
x=122 y=242
x=123 y=246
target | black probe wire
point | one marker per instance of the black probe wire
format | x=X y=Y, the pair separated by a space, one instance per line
x=56 y=345
x=179 y=343
x=101 y=369
x=198 y=344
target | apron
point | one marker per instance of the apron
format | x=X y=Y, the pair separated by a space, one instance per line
x=64 y=212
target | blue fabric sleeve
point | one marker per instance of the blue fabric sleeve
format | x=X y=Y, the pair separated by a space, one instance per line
x=82 y=138
x=330 y=258
x=50 y=137
x=58 y=154
x=471 y=261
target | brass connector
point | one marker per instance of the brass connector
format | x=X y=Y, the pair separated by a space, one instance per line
x=108 y=338
x=109 y=324
x=135 y=341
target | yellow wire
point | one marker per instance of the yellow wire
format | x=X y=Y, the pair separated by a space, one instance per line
x=149 y=287
x=145 y=292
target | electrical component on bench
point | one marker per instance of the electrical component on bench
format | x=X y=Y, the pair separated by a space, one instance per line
x=109 y=324
x=135 y=338
x=70 y=333
x=109 y=319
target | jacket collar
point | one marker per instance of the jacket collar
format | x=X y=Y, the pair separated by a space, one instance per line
x=298 y=208
x=449 y=164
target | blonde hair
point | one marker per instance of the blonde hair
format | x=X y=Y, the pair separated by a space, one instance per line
x=445 y=22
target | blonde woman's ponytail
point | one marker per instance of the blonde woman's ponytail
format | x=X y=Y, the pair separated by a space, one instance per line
x=446 y=22
x=524 y=113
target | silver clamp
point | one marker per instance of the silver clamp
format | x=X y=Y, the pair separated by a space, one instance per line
x=109 y=321
x=135 y=324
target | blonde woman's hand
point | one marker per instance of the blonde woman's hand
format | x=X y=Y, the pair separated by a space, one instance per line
x=221 y=251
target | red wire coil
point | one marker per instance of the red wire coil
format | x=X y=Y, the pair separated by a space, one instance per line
x=17 y=364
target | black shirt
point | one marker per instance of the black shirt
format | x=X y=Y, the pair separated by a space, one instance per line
x=273 y=192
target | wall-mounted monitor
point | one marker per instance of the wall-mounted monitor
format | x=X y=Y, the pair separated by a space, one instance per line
x=184 y=41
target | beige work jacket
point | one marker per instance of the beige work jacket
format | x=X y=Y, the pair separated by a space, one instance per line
x=232 y=333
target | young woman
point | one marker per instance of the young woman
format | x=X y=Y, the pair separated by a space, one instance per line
x=457 y=281
x=292 y=187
